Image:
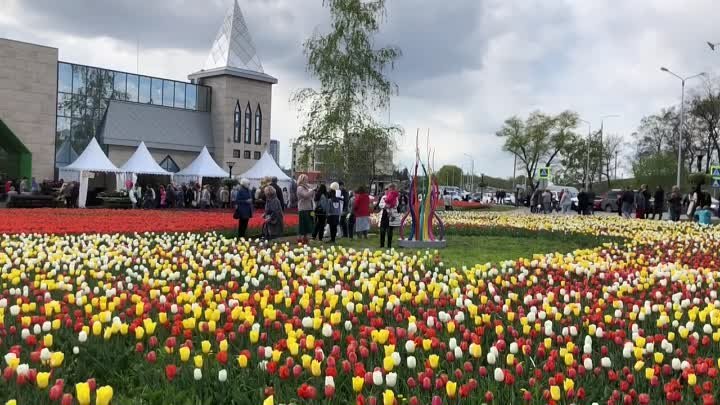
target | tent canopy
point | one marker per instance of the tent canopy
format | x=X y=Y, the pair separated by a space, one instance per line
x=142 y=162
x=203 y=166
x=92 y=159
x=266 y=167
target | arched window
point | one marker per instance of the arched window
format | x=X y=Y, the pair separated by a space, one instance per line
x=248 y=124
x=258 y=125
x=237 y=131
x=169 y=164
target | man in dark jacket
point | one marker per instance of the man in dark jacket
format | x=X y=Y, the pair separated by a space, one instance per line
x=278 y=192
x=583 y=200
x=646 y=195
x=345 y=209
x=659 y=203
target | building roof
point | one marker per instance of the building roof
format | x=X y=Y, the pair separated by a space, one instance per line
x=233 y=45
x=128 y=124
x=233 y=52
x=142 y=162
x=92 y=159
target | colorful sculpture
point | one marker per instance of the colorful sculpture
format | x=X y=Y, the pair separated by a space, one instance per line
x=424 y=195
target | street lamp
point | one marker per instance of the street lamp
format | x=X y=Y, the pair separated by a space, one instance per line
x=230 y=166
x=587 y=162
x=472 y=174
x=682 y=113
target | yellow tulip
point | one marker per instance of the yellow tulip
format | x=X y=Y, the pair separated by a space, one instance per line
x=104 y=395
x=82 y=392
x=434 y=359
x=48 y=340
x=649 y=373
x=184 y=353
x=224 y=345
x=692 y=379
x=451 y=389
x=388 y=397
x=357 y=383
x=427 y=344
x=269 y=400
x=42 y=379
x=315 y=368
x=205 y=345
x=568 y=384
x=242 y=361
x=56 y=359
x=555 y=393
x=139 y=332
x=388 y=363
x=198 y=361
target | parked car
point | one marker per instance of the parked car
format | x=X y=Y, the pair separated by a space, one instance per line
x=476 y=197
x=607 y=202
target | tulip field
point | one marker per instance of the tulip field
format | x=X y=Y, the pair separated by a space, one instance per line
x=199 y=318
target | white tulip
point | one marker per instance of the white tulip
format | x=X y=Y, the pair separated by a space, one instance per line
x=410 y=346
x=197 y=374
x=411 y=362
x=391 y=379
x=82 y=336
x=499 y=375
x=377 y=377
x=605 y=362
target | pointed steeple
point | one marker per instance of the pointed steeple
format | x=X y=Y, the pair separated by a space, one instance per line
x=233 y=46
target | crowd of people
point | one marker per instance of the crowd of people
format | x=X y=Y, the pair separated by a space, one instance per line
x=325 y=213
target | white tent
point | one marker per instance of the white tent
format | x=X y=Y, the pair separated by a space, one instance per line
x=266 y=167
x=203 y=166
x=92 y=160
x=141 y=162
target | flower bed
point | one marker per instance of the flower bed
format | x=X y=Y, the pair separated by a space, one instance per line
x=77 y=221
x=198 y=318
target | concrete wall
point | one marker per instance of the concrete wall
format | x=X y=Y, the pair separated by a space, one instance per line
x=226 y=92
x=28 y=93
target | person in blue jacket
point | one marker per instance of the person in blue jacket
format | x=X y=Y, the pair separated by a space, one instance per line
x=243 y=207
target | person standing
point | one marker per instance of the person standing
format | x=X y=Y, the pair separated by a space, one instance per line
x=273 y=226
x=648 y=204
x=547 y=201
x=286 y=197
x=163 y=197
x=131 y=195
x=675 y=202
x=361 y=212
x=278 y=192
x=390 y=218
x=225 y=197
x=565 y=202
x=305 y=208
x=582 y=202
x=335 y=209
x=205 y=197
x=640 y=203
x=695 y=201
x=591 y=200
x=659 y=202
x=321 y=207
x=243 y=207
x=345 y=196
x=628 y=199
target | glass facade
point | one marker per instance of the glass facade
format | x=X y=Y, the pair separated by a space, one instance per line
x=84 y=93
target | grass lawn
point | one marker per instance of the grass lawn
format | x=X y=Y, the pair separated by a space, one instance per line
x=471 y=250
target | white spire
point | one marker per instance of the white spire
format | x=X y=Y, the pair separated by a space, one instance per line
x=233 y=46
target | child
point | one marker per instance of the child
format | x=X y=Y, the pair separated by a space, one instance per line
x=703 y=215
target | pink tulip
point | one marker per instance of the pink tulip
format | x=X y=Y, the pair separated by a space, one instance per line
x=436 y=400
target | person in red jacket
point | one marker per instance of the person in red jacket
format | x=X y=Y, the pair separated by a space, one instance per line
x=361 y=211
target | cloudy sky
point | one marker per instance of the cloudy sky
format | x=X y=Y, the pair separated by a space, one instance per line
x=467 y=64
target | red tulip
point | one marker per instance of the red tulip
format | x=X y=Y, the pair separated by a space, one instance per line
x=151 y=357
x=436 y=400
x=170 y=371
x=329 y=391
x=67 y=399
x=56 y=392
x=488 y=396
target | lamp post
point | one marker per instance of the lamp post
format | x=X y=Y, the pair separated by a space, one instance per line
x=587 y=162
x=230 y=166
x=472 y=174
x=682 y=113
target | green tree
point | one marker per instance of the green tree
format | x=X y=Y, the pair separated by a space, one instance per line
x=353 y=87
x=539 y=140
x=449 y=175
x=658 y=168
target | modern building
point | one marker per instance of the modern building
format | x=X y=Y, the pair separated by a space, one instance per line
x=275 y=150
x=51 y=109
